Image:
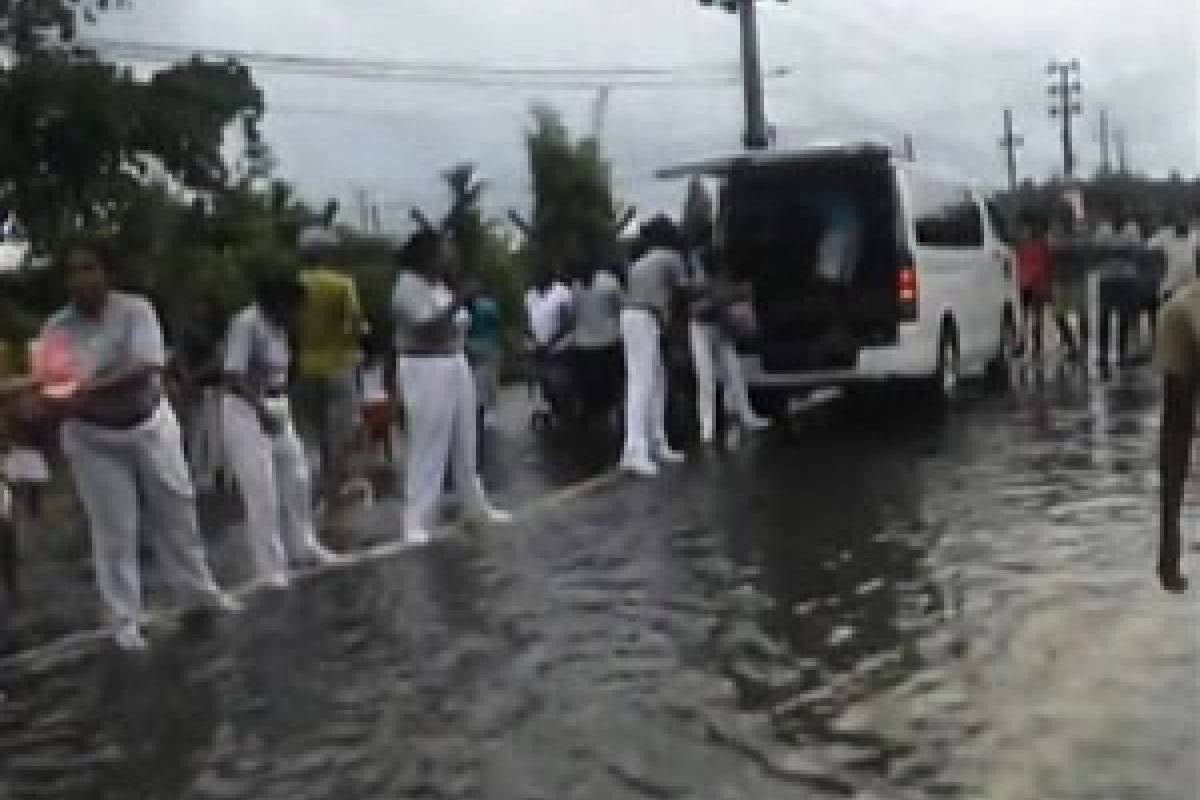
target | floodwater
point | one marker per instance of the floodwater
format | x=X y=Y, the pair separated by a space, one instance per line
x=871 y=605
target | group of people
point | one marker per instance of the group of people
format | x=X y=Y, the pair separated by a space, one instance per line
x=1135 y=273
x=98 y=372
x=614 y=317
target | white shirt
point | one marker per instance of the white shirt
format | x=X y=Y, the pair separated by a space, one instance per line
x=1180 y=254
x=598 y=312
x=257 y=349
x=417 y=301
x=546 y=310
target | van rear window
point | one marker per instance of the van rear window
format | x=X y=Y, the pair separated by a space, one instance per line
x=945 y=215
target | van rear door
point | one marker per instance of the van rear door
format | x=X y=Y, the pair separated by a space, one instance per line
x=819 y=238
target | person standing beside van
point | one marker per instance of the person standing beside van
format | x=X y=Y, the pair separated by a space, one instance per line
x=1033 y=267
x=714 y=354
x=656 y=276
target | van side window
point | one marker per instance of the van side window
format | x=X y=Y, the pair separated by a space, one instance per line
x=946 y=215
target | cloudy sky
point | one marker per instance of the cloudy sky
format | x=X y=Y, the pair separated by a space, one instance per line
x=940 y=69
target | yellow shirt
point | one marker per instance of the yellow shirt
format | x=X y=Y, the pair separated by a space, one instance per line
x=331 y=322
x=1177 y=346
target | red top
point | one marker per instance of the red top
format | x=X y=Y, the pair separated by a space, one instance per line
x=1033 y=264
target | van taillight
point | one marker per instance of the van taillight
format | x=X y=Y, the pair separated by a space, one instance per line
x=906 y=293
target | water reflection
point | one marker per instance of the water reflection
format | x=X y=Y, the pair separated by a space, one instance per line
x=872 y=604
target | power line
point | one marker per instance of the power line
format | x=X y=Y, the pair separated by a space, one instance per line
x=169 y=51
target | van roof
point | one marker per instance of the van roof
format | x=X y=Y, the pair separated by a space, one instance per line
x=722 y=165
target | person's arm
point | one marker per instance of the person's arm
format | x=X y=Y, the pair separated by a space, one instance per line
x=147 y=356
x=235 y=369
x=566 y=324
x=1177 y=359
x=15 y=385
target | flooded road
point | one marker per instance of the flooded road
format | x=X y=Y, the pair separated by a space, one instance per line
x=866 y=606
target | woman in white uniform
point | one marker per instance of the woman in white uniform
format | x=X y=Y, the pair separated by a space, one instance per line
x=655 y=278
x=261 y=444
x=437 y=387
x=123 y=445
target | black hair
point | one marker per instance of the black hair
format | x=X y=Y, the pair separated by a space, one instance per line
x=421 y=251
x=278 y=291
x=89 y=254
x=659 y=233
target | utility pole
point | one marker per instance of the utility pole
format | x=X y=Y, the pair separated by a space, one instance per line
x=758 y=135
x=752 y=79
x=1122 y=142
x=364 y=208
x=1065 y=91
x=1105 y=141
x=1010 y=142
x=600 y=112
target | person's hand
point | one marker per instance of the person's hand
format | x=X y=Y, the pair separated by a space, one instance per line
x=271 y=425
x=1169 y=576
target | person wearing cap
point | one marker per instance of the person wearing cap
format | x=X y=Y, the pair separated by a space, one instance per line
x=122 y=444
x=261 y=444
x=437 y=387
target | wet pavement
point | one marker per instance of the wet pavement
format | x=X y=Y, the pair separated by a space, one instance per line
x=869 y=605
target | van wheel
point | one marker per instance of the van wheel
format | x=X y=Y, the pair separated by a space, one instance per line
x=999 y=370
x=946 y=386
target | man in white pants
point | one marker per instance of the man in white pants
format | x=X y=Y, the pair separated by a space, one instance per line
x=654 y=278
x=261 y=444
x=437 y=387
x=123 y=444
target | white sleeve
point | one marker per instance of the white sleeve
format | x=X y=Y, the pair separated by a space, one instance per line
x=146 y=338
x=237 y=344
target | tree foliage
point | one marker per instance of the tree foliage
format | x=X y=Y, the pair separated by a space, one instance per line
x=575 y=217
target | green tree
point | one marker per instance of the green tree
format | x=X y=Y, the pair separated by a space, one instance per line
x=575 y=217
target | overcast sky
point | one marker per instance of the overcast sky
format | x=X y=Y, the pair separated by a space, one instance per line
x=940 y=69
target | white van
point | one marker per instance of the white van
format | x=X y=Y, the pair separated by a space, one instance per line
x=865 y=268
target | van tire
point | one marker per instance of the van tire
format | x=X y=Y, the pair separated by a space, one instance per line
x=999 y=369
x=945 y=387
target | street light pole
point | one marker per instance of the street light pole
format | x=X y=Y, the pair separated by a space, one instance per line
x=756 y=118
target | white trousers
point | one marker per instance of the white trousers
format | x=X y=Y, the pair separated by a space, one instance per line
x=645 y=386
x=716 y=360
x=134 y=481
x=273 y=479
x=441 y=415
x=205 y=434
